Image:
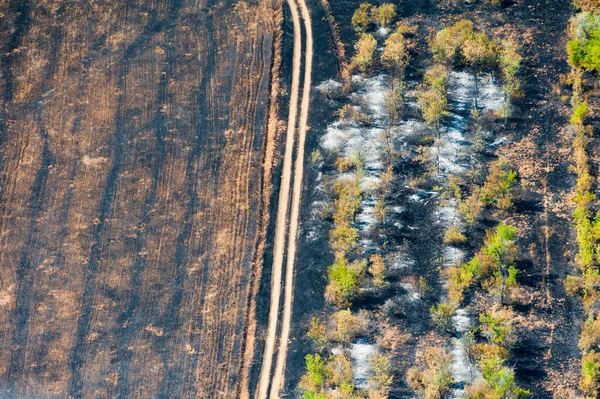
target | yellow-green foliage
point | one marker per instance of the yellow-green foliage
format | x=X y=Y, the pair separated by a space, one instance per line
x=344 y=280
x=434 y=105
x=437 y=78
x=384 y=14
x=434 y=380
x=584 y=47
x=317 y=332
x=377 y=269
x=454 y=236
x=492 y=267
x=441 y=316
x=381 y=379
x=589 y=383
x=500 y=183
x=365 y=47
x=362 y=17
x=395 y=55
x=590 y=334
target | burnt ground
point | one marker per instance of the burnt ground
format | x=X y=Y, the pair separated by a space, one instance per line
x=546 y=358
x=132 y=199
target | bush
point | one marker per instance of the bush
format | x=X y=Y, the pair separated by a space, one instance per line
x=470 y=208
x=579 y=114
x=315 y=379
x=435 y=380
x=339 y=370
x=584 y=48
x=590 y=334
x=347 y=326
x=497 y=327
x=377 y=270
x=478 y=51
x=437 y=78
x=454 y=236
x=589 y=383
x=343 y=281
x=446 y=46
x=500 y=380
x=587 y=5
x=317 y=333
x=381 y=377
x=434 y=106
x=500 y=184
x=441 y=316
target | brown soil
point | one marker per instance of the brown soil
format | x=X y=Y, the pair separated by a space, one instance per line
x=132 y=195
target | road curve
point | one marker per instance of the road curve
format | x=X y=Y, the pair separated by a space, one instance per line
x=279 y=375
x=282 y=210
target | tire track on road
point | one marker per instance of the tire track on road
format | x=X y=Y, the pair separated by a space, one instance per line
x=279 y=376
x=282 y=211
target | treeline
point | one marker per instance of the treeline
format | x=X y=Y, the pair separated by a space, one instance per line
x=584 y=58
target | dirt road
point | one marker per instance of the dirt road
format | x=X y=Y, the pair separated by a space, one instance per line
x=278 y=377
x=282 y=211
x=276 y=382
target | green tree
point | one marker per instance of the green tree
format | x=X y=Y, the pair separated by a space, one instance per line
x=365 y=47
x=384 y=14
x=362 y=17
x=315 y=380
x=395 y=55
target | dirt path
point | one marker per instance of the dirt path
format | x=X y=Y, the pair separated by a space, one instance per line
x=276 y=382
x=282 y=208
x=278 y=377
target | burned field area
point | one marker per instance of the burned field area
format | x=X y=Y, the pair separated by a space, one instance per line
x=135 y=158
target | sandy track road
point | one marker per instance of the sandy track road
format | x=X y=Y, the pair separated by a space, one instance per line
x=276 y=382
x=278 y=377
x=282 y=212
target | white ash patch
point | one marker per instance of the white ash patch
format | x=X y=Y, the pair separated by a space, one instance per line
x=452 y=256
x=382 y=32
x=329 y=85
x=360 y=353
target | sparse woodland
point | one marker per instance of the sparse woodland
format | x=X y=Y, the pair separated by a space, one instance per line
x=472 y=303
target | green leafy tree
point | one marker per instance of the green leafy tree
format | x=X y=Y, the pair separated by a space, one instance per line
x=395 y=55
x=384 y=14
x=362 y=17
x=365 y=47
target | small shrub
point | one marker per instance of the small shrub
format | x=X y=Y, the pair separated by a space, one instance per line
x=434 y=105
x=437 y=78
x=435 y=380
x=346 y=326
x=343 y=282
x=590 y=334
x=589 y=383
x=315 y=379
x=381 y=378
x=317 y=333
x=339 y=370
x=454 y=236
x=500 y=184
x=395 y=55
x=580 y=114
x=377 y=270
x=441 y=316
x=497 y=327
x=316 y=157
